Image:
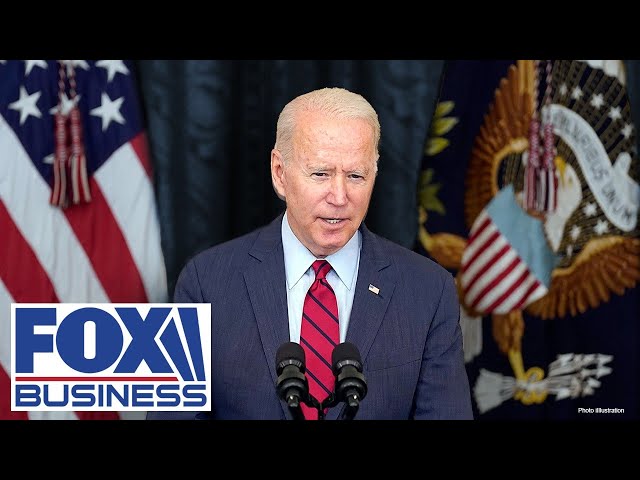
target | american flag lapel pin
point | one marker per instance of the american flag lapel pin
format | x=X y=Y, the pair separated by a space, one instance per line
x=374 y=289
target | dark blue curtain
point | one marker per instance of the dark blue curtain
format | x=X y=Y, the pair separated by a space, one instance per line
x=633 y=90
x=211 y=126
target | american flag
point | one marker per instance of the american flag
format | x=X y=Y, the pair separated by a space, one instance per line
x=506 y=264
x=106 y=247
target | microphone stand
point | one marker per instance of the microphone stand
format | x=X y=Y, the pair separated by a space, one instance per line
x=295 y=408
x=296 y=411
x=312 y=402
x=352 y=403
x=329 y=402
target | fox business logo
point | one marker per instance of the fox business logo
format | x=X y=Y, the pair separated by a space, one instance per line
x=100 y=357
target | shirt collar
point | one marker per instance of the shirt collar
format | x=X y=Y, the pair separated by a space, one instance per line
x=298 y=259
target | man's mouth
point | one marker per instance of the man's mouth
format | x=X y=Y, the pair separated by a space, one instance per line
x=333 y=221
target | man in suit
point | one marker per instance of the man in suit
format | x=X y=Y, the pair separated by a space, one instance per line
x=318 y=268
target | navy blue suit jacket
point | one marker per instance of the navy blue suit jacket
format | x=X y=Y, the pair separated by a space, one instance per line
x=408 y=335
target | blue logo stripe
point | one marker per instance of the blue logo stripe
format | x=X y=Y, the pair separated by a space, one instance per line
x=171 y=341
x=191 y=328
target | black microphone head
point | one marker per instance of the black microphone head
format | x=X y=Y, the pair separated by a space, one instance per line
x=290 y=353
x=345 y=351
x=350 y=386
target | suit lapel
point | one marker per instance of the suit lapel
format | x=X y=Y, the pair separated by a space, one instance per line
x=266 y=284
x=368 y=307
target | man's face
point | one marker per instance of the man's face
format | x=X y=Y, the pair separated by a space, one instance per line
x=328 y=183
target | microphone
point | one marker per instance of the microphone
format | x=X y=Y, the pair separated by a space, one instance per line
x=351 y=386
x=292 y=385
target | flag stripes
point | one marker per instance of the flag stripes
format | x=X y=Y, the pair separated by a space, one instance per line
x=494 y=278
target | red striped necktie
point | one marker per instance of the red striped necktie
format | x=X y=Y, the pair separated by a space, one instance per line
x=319 y=335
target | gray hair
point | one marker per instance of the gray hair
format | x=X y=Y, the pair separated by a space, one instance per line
x=336 y=103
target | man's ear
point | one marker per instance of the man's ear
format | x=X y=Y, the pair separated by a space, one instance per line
x=277 y=173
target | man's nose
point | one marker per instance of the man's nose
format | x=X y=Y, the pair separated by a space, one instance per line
x=338 y=193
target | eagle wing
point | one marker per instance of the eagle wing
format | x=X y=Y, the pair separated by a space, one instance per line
x=504 y=131
x=605 y=265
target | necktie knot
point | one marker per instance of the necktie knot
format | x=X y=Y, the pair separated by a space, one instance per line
x=321 y=267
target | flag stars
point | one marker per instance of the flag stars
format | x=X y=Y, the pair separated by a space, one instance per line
x=112 y=67
x=627 y=130
x=576 y=93
x=601 y=227
x=597 y=101
x=29 y=64
x=575 y=232
x=75 y=64
x=589 y=209
x=26 y=105
x=67 y=105
x=563 y=89
x=109 y=111
x=614 y=113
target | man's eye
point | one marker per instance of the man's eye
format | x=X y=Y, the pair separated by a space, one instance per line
x=356 y=176
x=319 y=174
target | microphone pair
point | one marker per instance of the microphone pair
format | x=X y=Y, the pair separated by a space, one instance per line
x=293 y=387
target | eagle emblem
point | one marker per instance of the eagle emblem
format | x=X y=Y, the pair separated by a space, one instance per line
x=551 y=205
